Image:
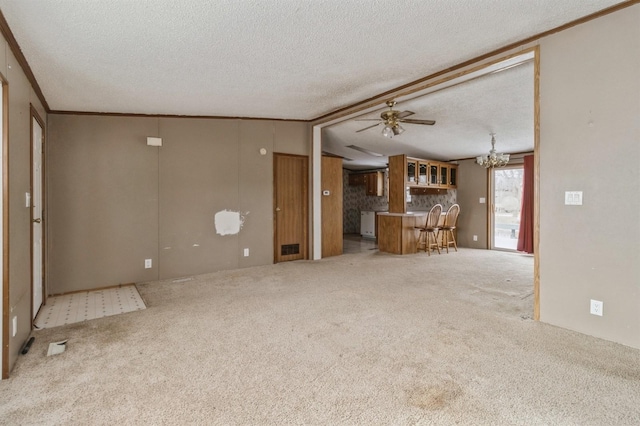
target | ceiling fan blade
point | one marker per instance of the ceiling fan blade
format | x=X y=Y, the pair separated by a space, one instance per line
x=427 y=122
x=404 y=114
x=366 y=128
x=367 y=119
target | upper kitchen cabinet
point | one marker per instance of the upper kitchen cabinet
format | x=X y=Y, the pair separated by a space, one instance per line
x=412 y=171
x=372 y=181
x=453 y=176
x=443 y=175
x=375 y=185
x=357 y=179
x=430 y=174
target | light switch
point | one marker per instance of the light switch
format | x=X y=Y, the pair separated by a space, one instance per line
x=573 y=198
x=151 y=141
x=27 y=199
x=482 y=200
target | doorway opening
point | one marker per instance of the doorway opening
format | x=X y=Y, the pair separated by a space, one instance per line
x=506 y=206
x=38 y=293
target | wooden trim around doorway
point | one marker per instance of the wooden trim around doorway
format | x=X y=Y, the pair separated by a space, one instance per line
x=5 y=227
x=536 y=184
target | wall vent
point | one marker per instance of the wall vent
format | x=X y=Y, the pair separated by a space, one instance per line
x=288 y=249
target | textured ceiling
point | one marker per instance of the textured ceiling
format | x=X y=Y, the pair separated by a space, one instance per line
x=260 y=58
x=465 y=114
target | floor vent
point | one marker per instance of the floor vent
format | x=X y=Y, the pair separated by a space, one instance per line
x=288 y=249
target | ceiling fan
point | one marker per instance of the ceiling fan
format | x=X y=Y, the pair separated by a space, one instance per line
x=392 y=119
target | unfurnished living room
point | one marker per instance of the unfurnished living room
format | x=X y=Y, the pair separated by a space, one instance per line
x=320 y=212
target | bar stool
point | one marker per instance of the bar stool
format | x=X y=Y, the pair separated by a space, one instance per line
x=450 y=221
x=428 y=234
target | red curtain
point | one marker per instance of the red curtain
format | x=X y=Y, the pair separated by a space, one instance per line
x=525 y=237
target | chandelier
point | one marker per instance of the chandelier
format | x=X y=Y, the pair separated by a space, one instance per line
x=493 y=159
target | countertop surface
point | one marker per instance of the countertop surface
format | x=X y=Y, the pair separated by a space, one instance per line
x=412 y=213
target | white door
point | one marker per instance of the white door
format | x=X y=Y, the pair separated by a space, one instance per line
x=36 y=217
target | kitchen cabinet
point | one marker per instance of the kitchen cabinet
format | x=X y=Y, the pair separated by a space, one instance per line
x=434 y=174
x=373 y=182
x=423 y=172
x=448 y=174
x=357 y=179
x=397 y=233
x=412 y=171
x=442 y=175
x=430 y=174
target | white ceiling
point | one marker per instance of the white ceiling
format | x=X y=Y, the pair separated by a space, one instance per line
x=465 y=114
x=294 y=59
x=290 y=59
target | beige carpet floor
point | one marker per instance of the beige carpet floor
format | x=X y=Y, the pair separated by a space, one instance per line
x=367 y=338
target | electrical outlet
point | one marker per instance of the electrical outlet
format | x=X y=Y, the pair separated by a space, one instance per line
x=246 y=252
x=15 y=326
x=148 y=263
x=475 y=238
x=596 y=307
x=573 y=198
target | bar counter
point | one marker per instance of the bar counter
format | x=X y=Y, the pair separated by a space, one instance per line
x=397 y=233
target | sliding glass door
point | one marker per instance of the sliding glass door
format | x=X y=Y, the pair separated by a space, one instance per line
x=507 y=185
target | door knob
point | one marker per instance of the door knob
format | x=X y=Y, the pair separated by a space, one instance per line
x=38 y=220
x=277 y=209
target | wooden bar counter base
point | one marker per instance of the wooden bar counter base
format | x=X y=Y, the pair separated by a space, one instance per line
x=397 y=233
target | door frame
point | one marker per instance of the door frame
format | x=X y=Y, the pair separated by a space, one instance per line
x=4 y=321
x=35 y=116
x=516 y=164
x=500 y=59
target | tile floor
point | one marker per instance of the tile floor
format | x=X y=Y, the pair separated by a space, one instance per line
x=354 y=243
x=78 y=307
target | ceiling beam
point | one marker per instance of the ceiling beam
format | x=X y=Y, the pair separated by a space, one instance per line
x=504 y=49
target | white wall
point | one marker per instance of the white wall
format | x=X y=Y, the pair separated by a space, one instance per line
x=21 y=98
x=590 y=141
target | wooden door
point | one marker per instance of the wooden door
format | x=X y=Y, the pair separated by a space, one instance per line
x=331 y=173
x=290 y=199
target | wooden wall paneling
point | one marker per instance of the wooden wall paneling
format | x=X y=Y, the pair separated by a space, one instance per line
x=331 y=176
x=397 y=173
x=409 y=239
x=389 y=230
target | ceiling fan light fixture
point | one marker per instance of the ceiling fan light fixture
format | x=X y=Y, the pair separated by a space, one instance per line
x=493 y=159
x=397 y=129
x=391 y=120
